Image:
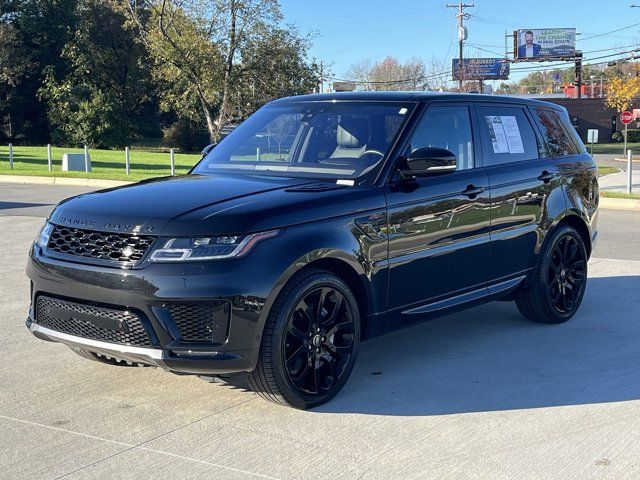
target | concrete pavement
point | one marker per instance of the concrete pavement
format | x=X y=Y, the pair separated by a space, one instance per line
x=479 y=394
x=617 y=182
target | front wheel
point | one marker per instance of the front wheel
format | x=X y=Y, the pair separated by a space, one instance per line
x=560 y=279
x=310 y=341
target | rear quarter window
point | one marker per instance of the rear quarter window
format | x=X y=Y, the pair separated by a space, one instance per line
x=507 y=135
x=560 y=137
x=571 y=131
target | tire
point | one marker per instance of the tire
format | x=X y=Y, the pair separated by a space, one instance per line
x=559 y=280
x=298 y=365
x=106 y=360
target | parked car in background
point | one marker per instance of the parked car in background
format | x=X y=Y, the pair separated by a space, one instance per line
x=319 y=222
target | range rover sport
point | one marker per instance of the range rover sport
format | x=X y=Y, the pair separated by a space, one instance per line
x=321 y=221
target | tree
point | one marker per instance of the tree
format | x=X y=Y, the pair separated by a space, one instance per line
x=197 y=47
x=437 y=74
x=623 y=92
x=14 y=65
x=39 y=30
x=361 y=73
x=390 y=74
x=273 y=65
x=108 y=84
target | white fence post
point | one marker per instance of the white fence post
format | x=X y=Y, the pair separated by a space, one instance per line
x=11 y=156
x=172 y=157
x=126 y=159
x=629 y=171
x=49 y=159
x=86 y=159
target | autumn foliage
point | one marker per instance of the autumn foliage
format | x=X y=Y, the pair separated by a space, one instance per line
x=623 y=92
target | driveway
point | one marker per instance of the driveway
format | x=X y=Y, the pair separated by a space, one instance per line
x=479 y=394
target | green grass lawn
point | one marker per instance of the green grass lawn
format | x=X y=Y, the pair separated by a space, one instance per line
x=604 y=170
x=106 y=164
x=633 y=196
x=614 y=148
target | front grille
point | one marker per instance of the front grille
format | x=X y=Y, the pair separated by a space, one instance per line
x=87 y=321
x=204 y=322
x=114 y=247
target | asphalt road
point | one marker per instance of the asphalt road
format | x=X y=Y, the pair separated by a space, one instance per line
x=609 y=160
x=479 y=394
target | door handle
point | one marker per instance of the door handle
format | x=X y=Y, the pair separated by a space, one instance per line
x=546 y=177
x=473 y=191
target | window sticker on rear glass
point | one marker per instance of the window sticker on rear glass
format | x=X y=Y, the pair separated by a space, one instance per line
x=504 y=133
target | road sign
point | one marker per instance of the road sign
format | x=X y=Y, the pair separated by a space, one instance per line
x=626 y=117
x=592 y=137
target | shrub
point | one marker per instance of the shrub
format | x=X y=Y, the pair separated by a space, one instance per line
x=186 y=136
x=633 y=136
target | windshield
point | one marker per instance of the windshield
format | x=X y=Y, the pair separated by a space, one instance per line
x=323 y=140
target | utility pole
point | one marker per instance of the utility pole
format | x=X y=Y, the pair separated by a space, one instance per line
x=321 y=89
x=462 y=33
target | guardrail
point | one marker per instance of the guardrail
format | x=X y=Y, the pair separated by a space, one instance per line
x=127 y=165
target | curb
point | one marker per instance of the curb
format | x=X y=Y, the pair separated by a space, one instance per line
x=619 y=204
x=81 y=182
x=616 y=159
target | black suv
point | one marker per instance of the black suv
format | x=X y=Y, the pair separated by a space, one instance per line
x=321 y=221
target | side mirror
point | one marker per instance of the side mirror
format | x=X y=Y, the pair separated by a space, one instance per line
x=207 y=149
x=428 y=161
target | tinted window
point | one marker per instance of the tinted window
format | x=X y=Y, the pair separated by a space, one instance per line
x=555 y=135
x=571 y=130
x=310 y=140
x=507 y=135
x=446 y=127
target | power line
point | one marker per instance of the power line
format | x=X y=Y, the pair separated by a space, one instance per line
x=610 y=32
x=476 y=46
x=557 y=65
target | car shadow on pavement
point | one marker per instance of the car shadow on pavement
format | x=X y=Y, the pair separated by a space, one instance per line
x=491 y=358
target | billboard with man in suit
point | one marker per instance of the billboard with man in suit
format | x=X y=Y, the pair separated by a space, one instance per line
x=543 y=43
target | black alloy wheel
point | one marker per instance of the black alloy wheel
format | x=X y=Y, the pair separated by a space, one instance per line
x=566 y=275
x=319 y=340
x=310 y=341
x=559 y=281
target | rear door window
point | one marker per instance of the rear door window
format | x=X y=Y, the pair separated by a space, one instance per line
x=556 y=137
x=507 y=135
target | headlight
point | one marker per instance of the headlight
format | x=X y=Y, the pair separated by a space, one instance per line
x=45 y=232
x=208 y=248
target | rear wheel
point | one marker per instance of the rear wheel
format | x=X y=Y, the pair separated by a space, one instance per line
x=560 y=280
x=310 y=341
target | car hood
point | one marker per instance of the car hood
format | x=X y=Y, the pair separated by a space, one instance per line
x=208 y=205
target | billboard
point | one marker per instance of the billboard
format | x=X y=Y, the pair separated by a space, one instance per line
x=541 y=43
x=480 y=69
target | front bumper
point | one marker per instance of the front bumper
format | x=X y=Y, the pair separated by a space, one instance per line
x=188 y=363
x=244 y=284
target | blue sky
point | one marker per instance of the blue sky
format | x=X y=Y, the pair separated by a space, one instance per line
x=349 y=31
